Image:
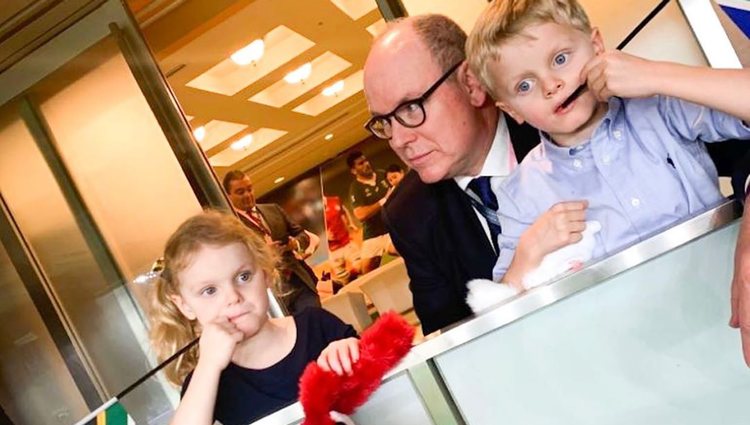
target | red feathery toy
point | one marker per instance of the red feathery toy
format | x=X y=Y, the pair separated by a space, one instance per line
x=381 y=347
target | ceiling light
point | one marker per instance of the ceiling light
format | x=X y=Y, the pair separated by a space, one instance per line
x=243 y=143
x=199 y=133
x=334 y=88
x=329 y=136
x=299 y=75
x=279 y=180
x=250 y=53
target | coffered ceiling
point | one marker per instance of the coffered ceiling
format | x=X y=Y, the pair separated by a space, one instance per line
x=250 y=117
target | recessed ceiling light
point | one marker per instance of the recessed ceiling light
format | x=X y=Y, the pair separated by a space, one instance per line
x=243 y=143
x=328 y=136
x=279 y=180
x=250 y=53
x=334 y=88
x=199 y=133
x=299 y=75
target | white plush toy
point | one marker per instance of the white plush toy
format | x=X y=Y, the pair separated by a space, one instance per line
x=485 y=293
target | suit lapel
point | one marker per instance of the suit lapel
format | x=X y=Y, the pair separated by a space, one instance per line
x=473 y=249
x=266 y=211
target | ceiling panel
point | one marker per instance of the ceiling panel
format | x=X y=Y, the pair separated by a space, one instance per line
x=217 y=131
x=334 y=38
x=281 y=92
x=228 y=78
x=352 y=85
x=260 y=139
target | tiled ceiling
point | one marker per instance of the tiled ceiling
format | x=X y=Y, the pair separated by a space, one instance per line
x=288 y=122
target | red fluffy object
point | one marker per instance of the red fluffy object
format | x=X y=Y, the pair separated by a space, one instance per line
x=381 y=347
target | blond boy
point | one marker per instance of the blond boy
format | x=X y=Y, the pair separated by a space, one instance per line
x=630 y=144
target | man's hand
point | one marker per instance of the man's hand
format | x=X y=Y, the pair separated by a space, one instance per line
x=741 y=287
x=563 y=224
x=614 y=73
x=384 y=199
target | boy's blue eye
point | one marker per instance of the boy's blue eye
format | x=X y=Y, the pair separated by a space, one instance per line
x=210 y=290
x=561 y=58
x=524 y=86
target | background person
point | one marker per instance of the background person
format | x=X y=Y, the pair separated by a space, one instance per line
x=394 y=174
x=369 y=192
x=297 y=288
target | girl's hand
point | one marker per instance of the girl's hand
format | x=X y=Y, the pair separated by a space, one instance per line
x=217 y=343
x=339 y=356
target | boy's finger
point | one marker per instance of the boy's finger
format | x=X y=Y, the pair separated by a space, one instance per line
x=734 y=320
x=570 y=205
x=577 y=226
x=584 y=76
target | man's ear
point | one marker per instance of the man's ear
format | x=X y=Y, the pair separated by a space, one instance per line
x=510 y=111
x=477 y=95
x=597 y=41
x=183 y=307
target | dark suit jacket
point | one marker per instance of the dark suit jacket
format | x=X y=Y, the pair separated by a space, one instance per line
x=282 y=227
x=434 y=227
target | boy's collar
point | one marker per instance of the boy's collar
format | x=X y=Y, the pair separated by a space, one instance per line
x=551 y=149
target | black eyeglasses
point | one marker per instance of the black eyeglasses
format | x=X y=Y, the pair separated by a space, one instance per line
x=410 y=114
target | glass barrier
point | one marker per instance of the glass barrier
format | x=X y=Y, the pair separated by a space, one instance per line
x=640 y=337
x=29 y=356
x=91 y=187
x=649 y=345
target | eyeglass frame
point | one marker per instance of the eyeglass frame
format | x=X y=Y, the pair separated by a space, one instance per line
x=419 y=101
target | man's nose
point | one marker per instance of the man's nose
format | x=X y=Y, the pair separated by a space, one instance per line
x=401 y=135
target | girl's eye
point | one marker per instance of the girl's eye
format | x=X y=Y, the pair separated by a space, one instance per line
x=244 y=277
x=524 y=86
x=561 y=59
x=210 y=290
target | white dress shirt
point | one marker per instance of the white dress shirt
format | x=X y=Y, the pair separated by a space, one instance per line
x=500 y=162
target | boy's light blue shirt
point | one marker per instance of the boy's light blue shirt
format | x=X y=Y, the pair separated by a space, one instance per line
x=643 y=169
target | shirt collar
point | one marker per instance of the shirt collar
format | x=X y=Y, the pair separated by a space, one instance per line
x=500 y=160
x=551 y=150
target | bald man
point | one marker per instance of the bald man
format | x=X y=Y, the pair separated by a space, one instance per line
x=443 y=125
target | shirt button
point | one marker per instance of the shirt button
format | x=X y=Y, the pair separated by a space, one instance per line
x=605 y=159
x=617 y=134
x=577 y=163
x=635 y=202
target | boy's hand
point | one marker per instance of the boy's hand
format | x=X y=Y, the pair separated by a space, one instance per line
x=614 y=73
x=561 y=225
x=741 y=288
x=339 y=356
x=217 y=343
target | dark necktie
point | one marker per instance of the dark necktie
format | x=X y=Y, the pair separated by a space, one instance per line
x=488 y=207
x=258 y=221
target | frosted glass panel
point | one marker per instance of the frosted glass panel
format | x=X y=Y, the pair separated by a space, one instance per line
x=650 y=346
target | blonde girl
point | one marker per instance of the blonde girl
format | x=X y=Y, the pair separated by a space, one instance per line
x=246 y=366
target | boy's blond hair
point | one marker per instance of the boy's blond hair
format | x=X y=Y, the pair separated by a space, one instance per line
x=505 y=19
x=170 y=330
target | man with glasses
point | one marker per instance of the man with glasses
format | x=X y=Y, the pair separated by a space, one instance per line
x=444 y=126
